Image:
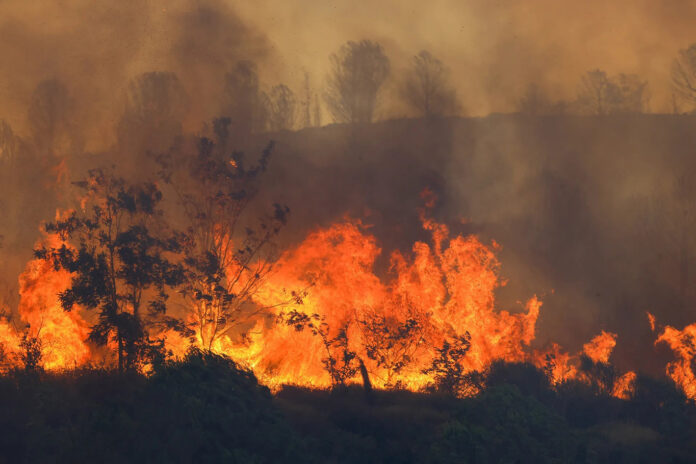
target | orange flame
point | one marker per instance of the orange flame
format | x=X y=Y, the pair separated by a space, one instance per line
x=62 y=334
x=599 y=348
x=683 y=344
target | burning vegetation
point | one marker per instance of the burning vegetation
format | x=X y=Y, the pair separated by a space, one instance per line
x=227 y=278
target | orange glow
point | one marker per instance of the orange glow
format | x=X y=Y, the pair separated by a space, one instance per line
x=394 y=323
x=682 y=344
x=599 y=348
x=62 y=334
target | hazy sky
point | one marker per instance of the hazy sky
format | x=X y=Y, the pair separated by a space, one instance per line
x=495 y=48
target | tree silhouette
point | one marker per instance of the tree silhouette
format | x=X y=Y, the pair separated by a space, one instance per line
x=244 y=103
x=9 y=145
x=119 y=267
x=446 y=367
x=535 y=102
x=426 y=88
x=391 y=343
x=358 y=71
x=599 y=94
x=52 y=119
x=156 y=104
x=281 y=108
x=684 y=74
x=226 y=260
x=340 y=361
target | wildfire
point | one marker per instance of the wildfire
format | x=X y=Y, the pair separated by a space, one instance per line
x=393 y=324
x=599 y=348
x=62 y=335
x=683 y=344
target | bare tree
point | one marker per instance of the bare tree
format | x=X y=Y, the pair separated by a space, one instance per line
x=244 y=102
x=9 y=144
x=156 y=104
x=358 y=71
x=316 y=112
x=627 y=93
x=684 y=74
x=52 y=119
x=426 y=88
x=536 y=102
x=227 y=258
x=281 y=108
x=307 y=103
x=592 y=95
x=600 y=94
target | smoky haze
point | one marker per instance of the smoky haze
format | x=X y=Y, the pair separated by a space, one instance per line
x=592 y=214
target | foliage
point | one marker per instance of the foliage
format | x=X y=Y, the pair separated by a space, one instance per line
x=119 y=266
x=391 y=343
x=449 y=376
x=30 y=352
x=203 y=408
x=340 y=361
x=225 y=259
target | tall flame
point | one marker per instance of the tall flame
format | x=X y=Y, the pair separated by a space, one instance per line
x=62 y=334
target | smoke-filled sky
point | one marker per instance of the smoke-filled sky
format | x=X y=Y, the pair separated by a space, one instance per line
x=494 y=48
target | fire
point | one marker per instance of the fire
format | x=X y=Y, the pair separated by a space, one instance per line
x=683 y=344
x=600 y=347
x=393 y=323
x=445 y=287
x=62 y=334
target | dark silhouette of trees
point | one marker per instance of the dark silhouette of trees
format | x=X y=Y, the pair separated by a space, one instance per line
x=226 y=259
x=120 y=267
x=340 y=361
x=358 y=71
x=31 y=351
x=156 y=104
x=600 y=94
x=281 y=108
x=391 y=343
x=243 y=101
x=593 y=91
x=684 y=75
x=535 y=102
x=449 y=376
x=9 y=145
x=52 y=119
x=427 y=89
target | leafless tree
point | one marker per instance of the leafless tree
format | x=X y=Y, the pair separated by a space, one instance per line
x=244 y=103
x=600 y=94
x=426 y=88
x=535 y=102
x=9 y=145
x=627 y=93
x=281 y=108
x=593 y=92
x=156 y=104
x=228 y=256
x=684 y=74
x=358 y=71
x=52 y=119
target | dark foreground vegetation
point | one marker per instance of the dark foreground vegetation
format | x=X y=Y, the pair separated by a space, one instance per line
x=207 y=409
